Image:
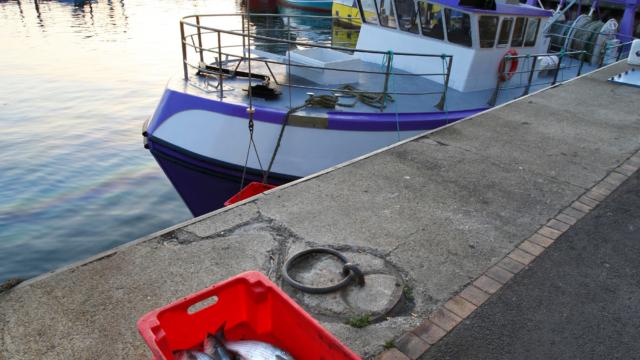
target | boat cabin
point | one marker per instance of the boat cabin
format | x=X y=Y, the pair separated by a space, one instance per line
x=477 y=34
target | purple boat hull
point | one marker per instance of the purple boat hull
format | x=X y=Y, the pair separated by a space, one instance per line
x=204 y=184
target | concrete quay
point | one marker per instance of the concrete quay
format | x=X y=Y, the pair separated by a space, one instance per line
x=579 y=300
x=440 y=211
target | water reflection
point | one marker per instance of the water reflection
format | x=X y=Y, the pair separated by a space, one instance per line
x=20 y=10
x=79 y=78
x=344 y=35
x=291 y=25
x=88 y=18
x=39 y=15
x=82 y=13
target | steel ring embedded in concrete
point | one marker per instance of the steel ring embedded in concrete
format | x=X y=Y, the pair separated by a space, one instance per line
x=353 y=272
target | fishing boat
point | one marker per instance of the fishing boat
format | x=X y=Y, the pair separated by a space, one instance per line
x=262 y=100
x=308 y=5
x=262 y=6
x=346 y=12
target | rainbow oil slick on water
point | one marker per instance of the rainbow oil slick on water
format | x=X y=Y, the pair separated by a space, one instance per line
x=78 y=79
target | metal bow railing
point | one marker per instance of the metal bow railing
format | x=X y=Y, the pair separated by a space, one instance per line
x=219 y=52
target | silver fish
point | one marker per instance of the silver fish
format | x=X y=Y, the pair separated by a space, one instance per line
x=256 y=350
x=214 y=346
x=191 y=355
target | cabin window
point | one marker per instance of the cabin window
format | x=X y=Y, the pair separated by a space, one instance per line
x=431 y=20
x=370 y=13
x=458 y=26
x=407 y=19
x=518 y=32
x=532 y=32
x=505 y=31
x=386 y=13
x=487 y=26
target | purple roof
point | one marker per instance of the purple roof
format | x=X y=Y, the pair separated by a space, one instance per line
x=501 y=8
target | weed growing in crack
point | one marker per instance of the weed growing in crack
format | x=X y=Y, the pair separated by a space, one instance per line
x=360 y=321
x=407 y=291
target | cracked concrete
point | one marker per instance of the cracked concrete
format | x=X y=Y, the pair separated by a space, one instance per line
x=439 y=210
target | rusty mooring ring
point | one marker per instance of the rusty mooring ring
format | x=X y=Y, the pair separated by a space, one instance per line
x=349 y=270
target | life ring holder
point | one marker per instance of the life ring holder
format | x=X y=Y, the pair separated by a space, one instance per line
x=509 y=56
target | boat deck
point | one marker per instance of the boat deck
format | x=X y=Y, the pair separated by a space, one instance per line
x=295 y=90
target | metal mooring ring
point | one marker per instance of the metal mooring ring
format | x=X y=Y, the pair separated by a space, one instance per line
x=349 y=270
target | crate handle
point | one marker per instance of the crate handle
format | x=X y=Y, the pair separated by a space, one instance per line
x=202 y=304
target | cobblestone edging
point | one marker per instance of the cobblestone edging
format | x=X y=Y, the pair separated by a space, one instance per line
x=416 y=342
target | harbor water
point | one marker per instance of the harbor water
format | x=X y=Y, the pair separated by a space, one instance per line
x=78 y=80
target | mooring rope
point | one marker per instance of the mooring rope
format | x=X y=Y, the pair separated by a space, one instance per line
x=246 y=159
x=324 y=101
x=373 y=99
x=250 y=109
x=388 y=58
x=444 y=90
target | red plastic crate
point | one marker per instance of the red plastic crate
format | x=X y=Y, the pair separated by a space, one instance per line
x=251 y=307
x=254 y=188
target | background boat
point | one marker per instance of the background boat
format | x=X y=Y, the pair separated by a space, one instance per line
x=347 y=13
x=323 y=6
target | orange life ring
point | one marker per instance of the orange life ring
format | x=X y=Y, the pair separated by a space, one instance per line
x=510 y=56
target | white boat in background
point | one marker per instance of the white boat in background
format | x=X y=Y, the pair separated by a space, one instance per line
x=262 y=100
